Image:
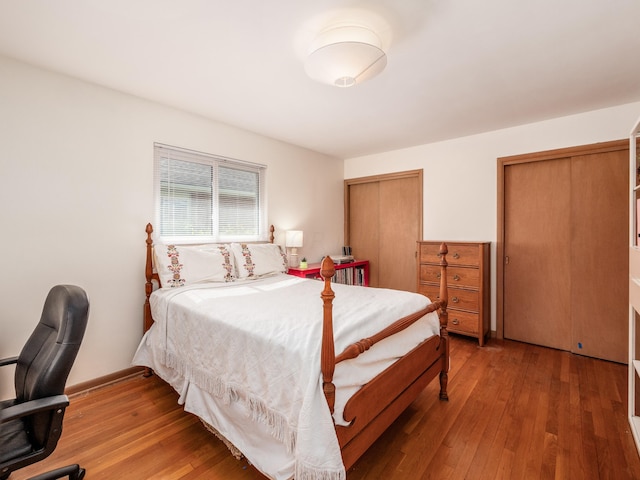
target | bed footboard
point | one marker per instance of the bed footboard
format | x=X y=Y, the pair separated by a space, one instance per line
x=377 y=404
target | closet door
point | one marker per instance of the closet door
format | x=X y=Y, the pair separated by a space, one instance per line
x=363 y=225
x=537 y=246
x=599 y=258
x=399 y=219
x=383 y=222
x=563 y=278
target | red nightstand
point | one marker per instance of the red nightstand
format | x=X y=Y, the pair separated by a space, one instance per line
x=353 y=273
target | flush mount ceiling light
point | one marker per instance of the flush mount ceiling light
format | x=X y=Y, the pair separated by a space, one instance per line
x=346 y=55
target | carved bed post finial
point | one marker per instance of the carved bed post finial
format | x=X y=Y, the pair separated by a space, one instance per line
x=327 y=354
x=444 y=320
x=271 y=235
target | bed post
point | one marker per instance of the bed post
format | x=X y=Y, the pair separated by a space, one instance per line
x=327 y=354
x=444 y=320
x=148 y=273
x=148 y=287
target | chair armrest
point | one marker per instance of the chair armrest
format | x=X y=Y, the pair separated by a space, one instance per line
x=34 y=406
x=8 y=361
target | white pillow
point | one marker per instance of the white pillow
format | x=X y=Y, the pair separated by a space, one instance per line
x=256 y=259
x=180 y=265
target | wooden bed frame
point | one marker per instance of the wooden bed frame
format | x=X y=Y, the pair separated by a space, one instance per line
x=373 y=408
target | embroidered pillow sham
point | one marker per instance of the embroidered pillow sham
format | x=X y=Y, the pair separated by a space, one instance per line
x=180 y=265
x=254 y=260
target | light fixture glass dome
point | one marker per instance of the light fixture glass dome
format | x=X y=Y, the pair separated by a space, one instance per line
x=346 y=55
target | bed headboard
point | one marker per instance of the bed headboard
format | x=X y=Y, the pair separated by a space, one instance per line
x=152 y=276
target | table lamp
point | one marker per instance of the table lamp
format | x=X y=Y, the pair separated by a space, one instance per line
x=293 y=241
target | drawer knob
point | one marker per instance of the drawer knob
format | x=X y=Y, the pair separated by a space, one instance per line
x=455 y=299
x=456 y=277
x=455 y=321
x=456 y=256
x=438 y=275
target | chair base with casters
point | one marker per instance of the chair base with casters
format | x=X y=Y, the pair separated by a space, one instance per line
x=74 y=472
x=31 y=423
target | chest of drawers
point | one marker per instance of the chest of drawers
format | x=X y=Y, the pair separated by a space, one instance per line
x=468 y=280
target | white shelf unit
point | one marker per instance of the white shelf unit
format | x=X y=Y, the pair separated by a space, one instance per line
x=634 y=285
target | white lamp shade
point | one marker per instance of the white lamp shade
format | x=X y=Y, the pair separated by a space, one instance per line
x=344 y=56
x=293 y=238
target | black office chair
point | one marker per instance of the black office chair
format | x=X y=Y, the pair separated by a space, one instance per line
x=31 y=424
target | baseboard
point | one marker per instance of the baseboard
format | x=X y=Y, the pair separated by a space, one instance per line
x=103 y=381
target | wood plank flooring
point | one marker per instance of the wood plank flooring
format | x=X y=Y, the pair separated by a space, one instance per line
x=516 y=411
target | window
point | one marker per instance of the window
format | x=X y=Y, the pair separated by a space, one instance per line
x=205 y=198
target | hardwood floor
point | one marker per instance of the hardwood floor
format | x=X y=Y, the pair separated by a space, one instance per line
x=516 y=411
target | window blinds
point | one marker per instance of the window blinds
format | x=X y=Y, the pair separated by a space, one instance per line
x=206 y=198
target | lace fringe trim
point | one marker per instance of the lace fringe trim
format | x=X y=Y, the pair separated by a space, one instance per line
x=278 y=425
x=303 y=473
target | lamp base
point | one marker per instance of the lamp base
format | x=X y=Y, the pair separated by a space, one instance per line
x=293 y=258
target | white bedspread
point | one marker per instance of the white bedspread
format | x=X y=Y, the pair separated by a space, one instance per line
x=257 y=344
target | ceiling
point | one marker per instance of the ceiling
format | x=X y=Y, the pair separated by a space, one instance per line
x=455 y=67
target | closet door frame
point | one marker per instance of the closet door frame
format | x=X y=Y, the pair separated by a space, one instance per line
x=504 y=162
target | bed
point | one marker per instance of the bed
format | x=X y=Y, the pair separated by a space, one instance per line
x=299 y=376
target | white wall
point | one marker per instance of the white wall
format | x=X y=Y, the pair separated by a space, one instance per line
x=76 y=163
x=460 y=175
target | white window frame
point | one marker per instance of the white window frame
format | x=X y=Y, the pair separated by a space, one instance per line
x=258 y=224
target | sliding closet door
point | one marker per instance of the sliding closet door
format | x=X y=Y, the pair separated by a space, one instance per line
x=363 y=225
x=399 y=213
x=599 y=261
x=563 y=279
x=537 y=284
x=383 y=222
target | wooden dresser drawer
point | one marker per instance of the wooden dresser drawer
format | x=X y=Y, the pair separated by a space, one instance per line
x=458 y=298
x=459 y=254
x=463 y=322
x=430 y=291
x=456 y=276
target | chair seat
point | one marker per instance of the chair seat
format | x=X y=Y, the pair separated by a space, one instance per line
x=14 y=442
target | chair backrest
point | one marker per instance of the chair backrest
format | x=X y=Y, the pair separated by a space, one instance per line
x=46 y=359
